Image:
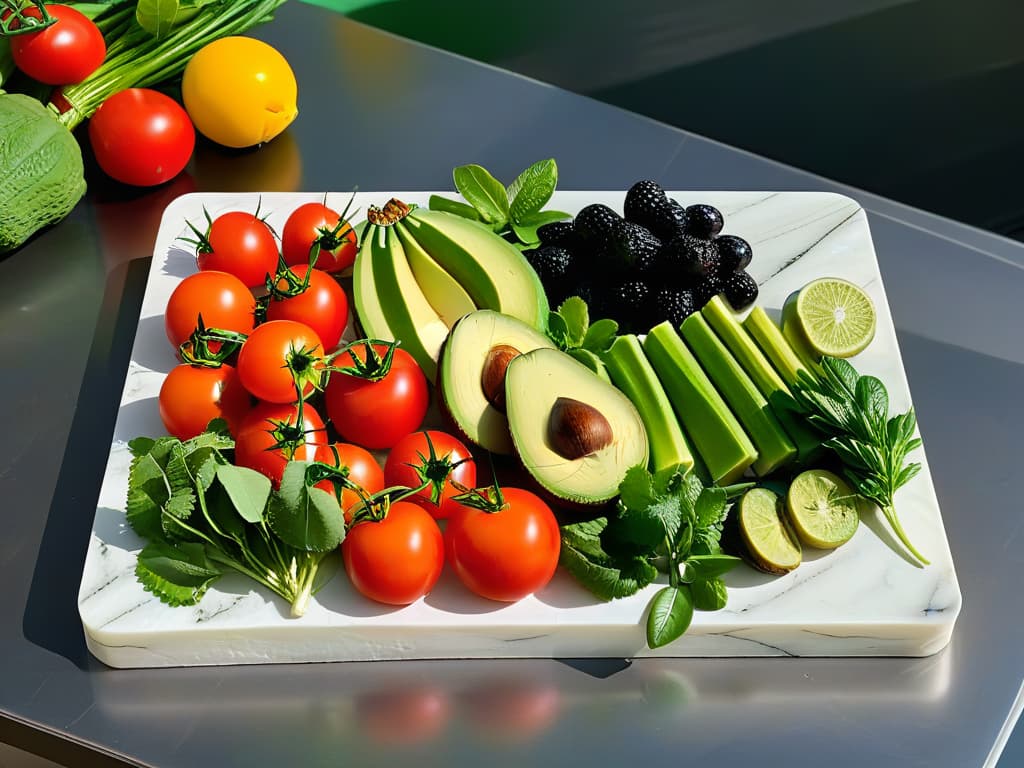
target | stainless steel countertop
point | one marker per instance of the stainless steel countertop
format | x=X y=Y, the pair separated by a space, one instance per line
x=382 y=113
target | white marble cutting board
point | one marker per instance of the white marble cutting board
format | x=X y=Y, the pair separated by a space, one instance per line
x=864 y=599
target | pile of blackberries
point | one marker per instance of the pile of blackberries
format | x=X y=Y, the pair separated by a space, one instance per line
x=659 y=262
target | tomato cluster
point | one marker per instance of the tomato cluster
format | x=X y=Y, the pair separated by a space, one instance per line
x=258 y=324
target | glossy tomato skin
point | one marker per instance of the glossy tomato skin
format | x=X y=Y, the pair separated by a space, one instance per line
x=264 y=359
x=409 y=450
x=141 y=137
x=303 y=227
x=243 y=245
x=377 y=414
x=62 y=54
x=505 y=555
x=362 y=469
x=323 y=306
x=222 y=300
x=192 y=396
x=254 y=442
x=397 y=560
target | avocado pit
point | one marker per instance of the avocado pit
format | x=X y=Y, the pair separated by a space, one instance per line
x=492 y=377
x=576 y=429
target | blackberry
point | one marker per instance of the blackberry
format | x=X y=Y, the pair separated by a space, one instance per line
x=706 y=289
x=644 y=202
x=594 y=224
x=633 y=247
x=689 y=258
x=740 y=290
x=592 y=293
x=551 y=263
x=674 y=305
x=632 y=305
x=704 y=221
x=562 y=233
x=734 y=253
x=669 y=221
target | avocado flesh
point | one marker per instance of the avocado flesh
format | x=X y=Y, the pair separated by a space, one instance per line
x=461 y=372
x=448 y=299
x=774 y=448
x=533 y=384
x=492 y=271
x=720 y=439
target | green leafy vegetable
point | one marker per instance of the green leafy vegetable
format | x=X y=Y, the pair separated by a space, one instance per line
x=531 y=190
x=484 y=192
x=159 y=17
x=666 y=519
x=853 y=410
x=570 y=328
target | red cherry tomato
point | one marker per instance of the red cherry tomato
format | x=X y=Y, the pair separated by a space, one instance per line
x=141 y=137
x=396 y=560
x=409 y=463
x=363 y=469
x=242 y=244
x=191 y=397
x=323 y=306
x=270 y=355
x=65 y=52
x=269 y=424
x=505 y=555
x=222 y=300
x=313 y=221
x=377 y=414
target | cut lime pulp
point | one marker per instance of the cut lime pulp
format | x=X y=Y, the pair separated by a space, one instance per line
x=822 y=508
x=770 y=543
x=837 y=317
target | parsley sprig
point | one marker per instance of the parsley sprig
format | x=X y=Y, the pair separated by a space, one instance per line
x=873 y=446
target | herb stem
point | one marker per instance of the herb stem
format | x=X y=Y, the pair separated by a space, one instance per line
x=889 y=510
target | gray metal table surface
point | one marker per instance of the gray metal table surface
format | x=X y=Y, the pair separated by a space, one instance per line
x=382 y=113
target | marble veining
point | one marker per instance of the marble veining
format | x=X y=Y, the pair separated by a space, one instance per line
x=861 y=600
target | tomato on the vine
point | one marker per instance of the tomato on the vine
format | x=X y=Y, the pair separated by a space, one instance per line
x=191 y=397
x=277 y=356
x=508 y=553
x=240 y=243
x=222 y=300
x=322 y=305
x=63 y=53
x=270 y=436
x=436 y=457
x=315 y=221
x=362 y=468
x=382 y=405
x=395 y=560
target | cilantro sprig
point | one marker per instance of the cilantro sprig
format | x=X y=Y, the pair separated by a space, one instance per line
x=667 y=521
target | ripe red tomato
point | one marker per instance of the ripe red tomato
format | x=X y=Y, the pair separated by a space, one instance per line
x=141 y=137
x=396 y=560
x=191 y=397
x=409 y=464
x=505 y=555
x=222 y=300
x=272 y=353
x=312 y=221
x=269 y=424
x=363 y=469
x=323 y=306
x=242 y=244
x=64 y=53
x=377 y=414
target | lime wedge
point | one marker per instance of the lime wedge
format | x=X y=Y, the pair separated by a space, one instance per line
x=837 y=318
x=822 y=508
x=771 y=544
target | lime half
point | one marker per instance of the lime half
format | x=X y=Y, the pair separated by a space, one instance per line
x=822 y=508
x=769 y=541
x=836 y=316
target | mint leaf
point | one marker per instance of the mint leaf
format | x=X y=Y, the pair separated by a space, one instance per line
x=705 y=567
x=484 y=192
x=558 y=331
x=600 y=335
x=526 y=230
x=636 y=489
x=589 y=359
x=710 y=507
x=874 y=401
x=710 y=595
x=161 y=17
x=307 y=518
x=147 y=492
x=577 y=319
x=670 y=615
x=438 y=203
x=223 y=517
x=177 y=574
x=602 y=577
x=532 y=189
x=140 y=446
x=247 y=489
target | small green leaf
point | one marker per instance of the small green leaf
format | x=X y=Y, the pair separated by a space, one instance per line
x=140 y=446
x=177 y=574
x=484 y=192
x=636 y=490
x=577 y=319
x=710 y=595
x=222 y=516
x=710 y=506
x=600 y=335
x=526 y=235
x=589 y=359
x=438 y=203
x=558 y=332
x=532 y=189
x=704 y=567
x=841 y=374
x=143 y=513
x=670 y=615
x=309 y=519
x=247 y=489
x=632 y=534
x=601 y=576
x=873 y=400
x=160 y=17
x=907 y=474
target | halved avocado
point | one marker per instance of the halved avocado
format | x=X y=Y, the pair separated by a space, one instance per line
x=575 y=433
x=472 y=374
x=446 y=296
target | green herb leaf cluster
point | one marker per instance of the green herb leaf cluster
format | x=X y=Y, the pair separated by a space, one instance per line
x=514 y=211
x=668 y=521
x=569 y=327
x=853 y=410
x=202 y=516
